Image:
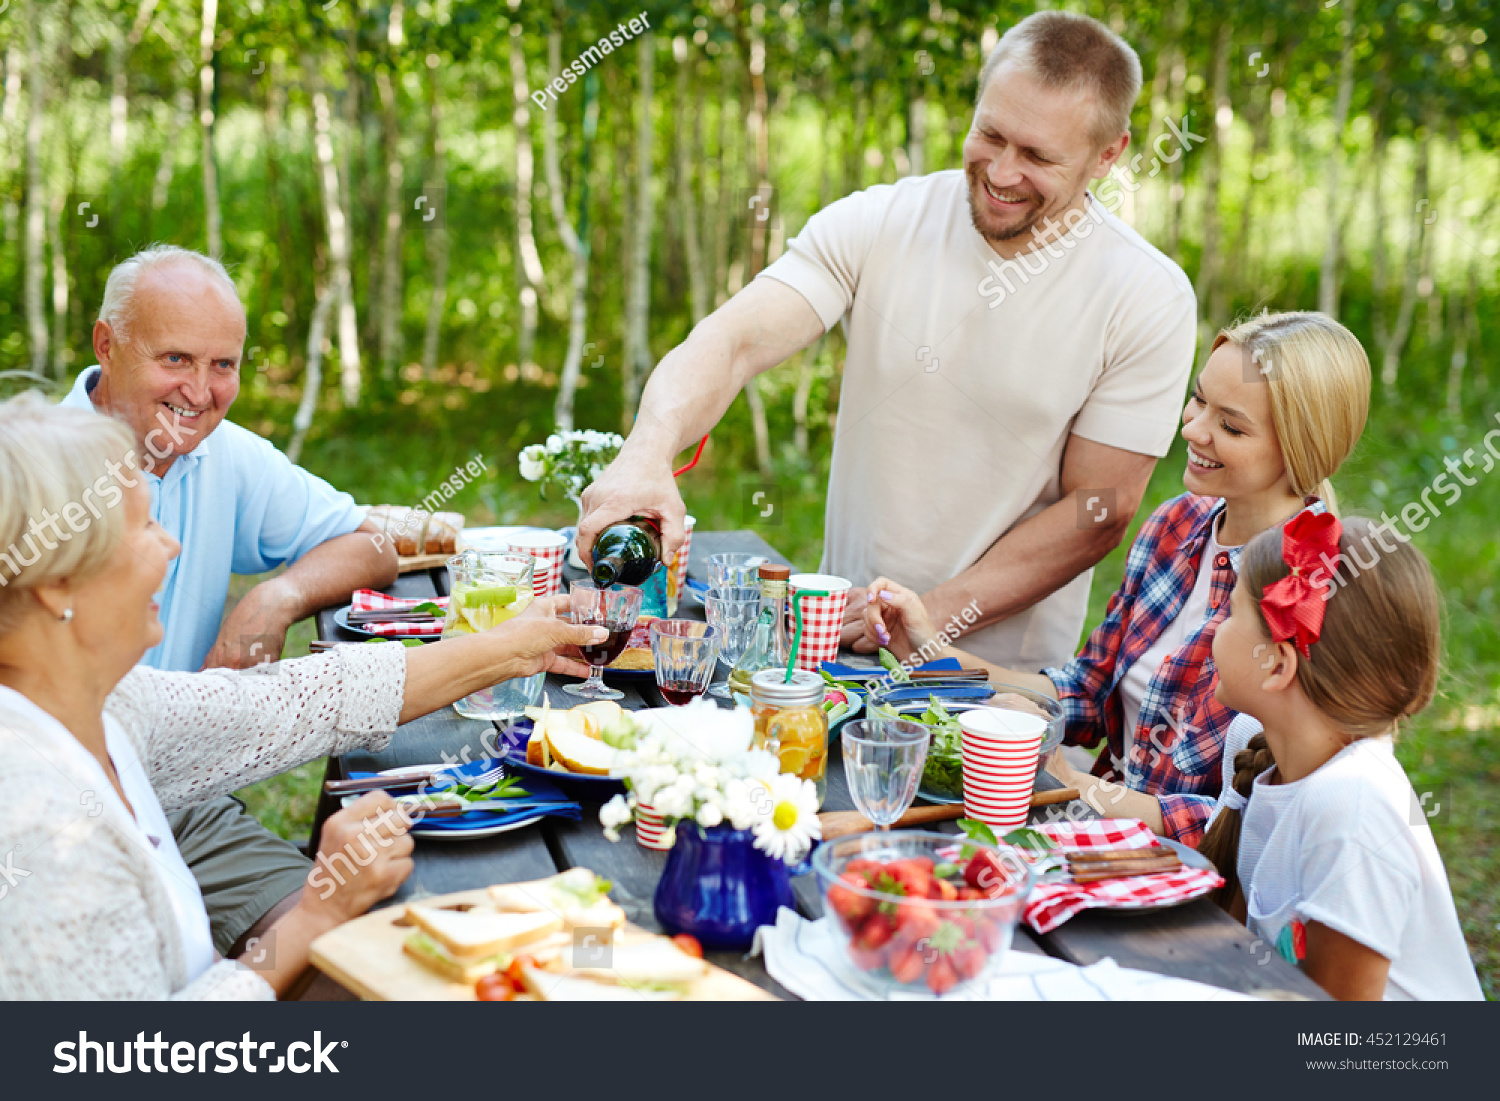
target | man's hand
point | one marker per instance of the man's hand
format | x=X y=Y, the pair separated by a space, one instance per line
x=633 y=486
x=255 y=631
x=854 y=635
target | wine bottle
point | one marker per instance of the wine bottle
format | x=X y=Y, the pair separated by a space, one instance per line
x=768 y=647
x=627 y=553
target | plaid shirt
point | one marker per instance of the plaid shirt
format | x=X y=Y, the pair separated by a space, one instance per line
x=1175 y=751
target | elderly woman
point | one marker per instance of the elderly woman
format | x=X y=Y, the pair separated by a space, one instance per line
x=96 y=900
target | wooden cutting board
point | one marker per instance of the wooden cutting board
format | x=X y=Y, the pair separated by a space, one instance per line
x=411 y=563
x=365 y=956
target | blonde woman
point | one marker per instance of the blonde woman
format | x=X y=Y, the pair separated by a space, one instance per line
x=94 y=748
x=1277 y=408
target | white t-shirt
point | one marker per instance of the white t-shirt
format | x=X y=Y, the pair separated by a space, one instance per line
x=155 y=834
x=965 y=376
x=1194 y=611
x=1349 y=846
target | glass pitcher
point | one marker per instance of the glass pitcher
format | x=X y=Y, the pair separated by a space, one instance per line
x=484 y=590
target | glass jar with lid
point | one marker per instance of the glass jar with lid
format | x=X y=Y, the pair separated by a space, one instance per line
x=791 y=723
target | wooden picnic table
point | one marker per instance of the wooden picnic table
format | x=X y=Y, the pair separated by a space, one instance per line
x=1194 y=941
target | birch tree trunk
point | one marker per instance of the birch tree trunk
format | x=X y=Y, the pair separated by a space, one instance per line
x=1378 y=275
x=578 y=303
x=1212 y=261
x=36 y=198
x=1328 y=274
x=312 y=379
x=638 y=298
x=338 y=249
x=688 y=140
x=1401 y=330
x=390 y=268
x=206 y=126
x=166 y=167
x=916 y=135
x=760 y=223
x=529 y=273
x=59 y=344
x=437 y=233
x=121 y=46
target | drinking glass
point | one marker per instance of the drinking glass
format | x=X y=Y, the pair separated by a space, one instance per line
x=734 y=571
x=616 y=608
x=484 y=590
x=684 y=651
x=883 y=761
x=733 y=613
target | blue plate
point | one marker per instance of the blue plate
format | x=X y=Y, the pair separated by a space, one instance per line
x=856 y=707
x=485 y=823
x=594 y=789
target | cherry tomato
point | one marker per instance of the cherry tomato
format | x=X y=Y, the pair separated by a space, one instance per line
x=495 y=987
x=689 y=945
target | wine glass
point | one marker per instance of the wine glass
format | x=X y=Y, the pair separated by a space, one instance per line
x=684 y=651
x=615 y=608
x=733 y=613
x=883 y=761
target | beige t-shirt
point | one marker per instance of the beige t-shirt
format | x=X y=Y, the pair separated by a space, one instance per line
x=965 y=375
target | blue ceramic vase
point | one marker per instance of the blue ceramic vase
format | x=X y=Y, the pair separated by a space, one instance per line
x=718 y=887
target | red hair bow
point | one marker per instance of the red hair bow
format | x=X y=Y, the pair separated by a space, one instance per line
x=1293 y=606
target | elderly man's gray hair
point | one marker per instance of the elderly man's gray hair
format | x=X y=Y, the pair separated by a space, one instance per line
x=119 y=290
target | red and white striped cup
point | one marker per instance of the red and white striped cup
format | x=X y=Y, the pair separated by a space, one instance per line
x=678 y=577
x=1000 y=750
x=822 y=617
x=548 y=548
x=651 y=830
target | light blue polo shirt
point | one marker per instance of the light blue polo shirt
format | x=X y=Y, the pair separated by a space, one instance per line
x=237 y=505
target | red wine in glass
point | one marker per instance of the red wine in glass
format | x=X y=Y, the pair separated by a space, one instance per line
x=679 y=692
x=602 y=653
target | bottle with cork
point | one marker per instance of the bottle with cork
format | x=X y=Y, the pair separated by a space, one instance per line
x=768 y=647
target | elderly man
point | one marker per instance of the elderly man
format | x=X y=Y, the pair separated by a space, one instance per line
x=169 y=338
x=1016 y=360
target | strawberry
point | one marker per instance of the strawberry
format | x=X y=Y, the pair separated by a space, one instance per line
x=866 y=959
x=860 y=869
x=969 y=960
x=906 y=964
x=917 y=919
x=875 y=932
x=968 y=894
x=942 y=889
x=850 y=906
x=912 y=875
x=986 y=873
x=941 y=977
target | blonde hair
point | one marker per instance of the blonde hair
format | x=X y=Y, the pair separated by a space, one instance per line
x=118 y=306
x=1075 y=52
x=1319 y=379
x=59 y=475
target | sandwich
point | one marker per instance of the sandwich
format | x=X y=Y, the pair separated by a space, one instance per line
x=577 y=897
x=464 y=945
x=649 y=965
x=548 y=986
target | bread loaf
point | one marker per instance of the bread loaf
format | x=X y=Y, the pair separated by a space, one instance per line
x=416 y=531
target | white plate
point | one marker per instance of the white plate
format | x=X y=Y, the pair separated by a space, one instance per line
x=474 y=834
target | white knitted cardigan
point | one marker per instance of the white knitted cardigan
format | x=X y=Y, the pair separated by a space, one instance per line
x=83 y=910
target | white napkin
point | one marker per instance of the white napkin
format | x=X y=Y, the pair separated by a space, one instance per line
x=807 y=958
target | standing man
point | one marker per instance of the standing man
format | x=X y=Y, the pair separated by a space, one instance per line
x=169 y=339
x=1016 y=359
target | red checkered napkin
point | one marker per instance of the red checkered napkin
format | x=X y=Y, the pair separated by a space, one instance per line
x=1051 y=904
x=368 y=600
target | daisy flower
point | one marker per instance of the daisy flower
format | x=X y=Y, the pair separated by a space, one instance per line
x=789 y=830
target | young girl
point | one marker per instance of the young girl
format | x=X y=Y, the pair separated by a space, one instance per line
x=1277 y=407
x=1336 y=866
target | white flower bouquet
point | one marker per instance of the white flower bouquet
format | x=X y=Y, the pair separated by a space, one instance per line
x=695 y=764
x=569 y=461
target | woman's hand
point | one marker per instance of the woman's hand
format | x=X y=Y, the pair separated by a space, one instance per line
x=896 y=617
x=536 y=636
x=363 y=856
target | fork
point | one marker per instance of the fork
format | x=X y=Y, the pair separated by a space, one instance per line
x=389 y=783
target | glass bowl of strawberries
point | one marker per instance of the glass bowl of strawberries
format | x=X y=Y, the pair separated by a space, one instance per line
x=922 y=912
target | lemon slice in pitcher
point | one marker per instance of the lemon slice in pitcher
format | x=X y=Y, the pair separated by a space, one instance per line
x=483 y=608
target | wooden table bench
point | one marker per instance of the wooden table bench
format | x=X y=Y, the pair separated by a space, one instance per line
x=1195 y=941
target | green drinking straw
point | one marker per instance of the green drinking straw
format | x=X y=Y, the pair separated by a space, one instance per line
x=797 y=596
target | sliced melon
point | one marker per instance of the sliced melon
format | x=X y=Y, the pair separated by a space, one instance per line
x=578 y=752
